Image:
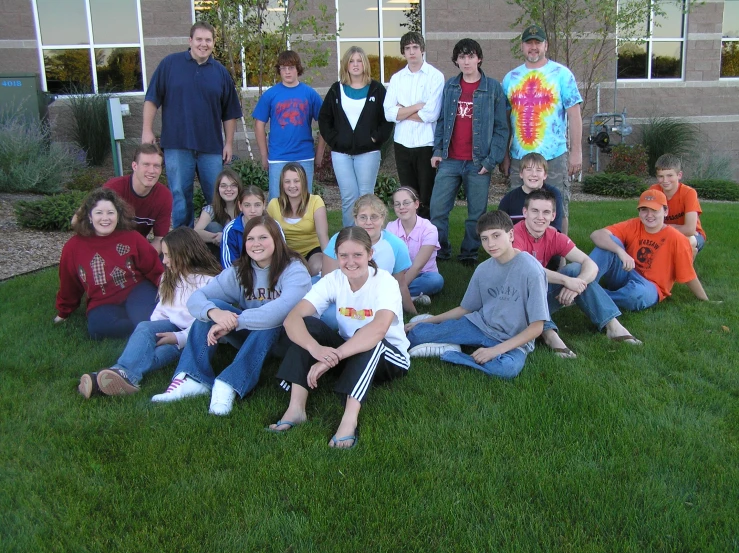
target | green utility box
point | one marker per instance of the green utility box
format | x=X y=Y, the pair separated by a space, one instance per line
x=21 y=92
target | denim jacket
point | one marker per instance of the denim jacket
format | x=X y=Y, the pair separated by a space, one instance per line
x=489 y=122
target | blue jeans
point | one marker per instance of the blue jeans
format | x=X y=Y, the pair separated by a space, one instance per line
x=464 y=333
x=451 y=174
x=356 y=176
x=594 y=301
x=143 y=355
x=118 y=321
x=700 y=241
x=628 y=289
x=275 y=170
x=180 y=166
x=243 y=373
x=426 y=283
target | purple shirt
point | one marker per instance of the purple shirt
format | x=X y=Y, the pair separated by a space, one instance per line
x=423 y=234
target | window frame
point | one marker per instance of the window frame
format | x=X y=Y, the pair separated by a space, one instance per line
x=91 y=46
x=381 y=39
x=649 y=41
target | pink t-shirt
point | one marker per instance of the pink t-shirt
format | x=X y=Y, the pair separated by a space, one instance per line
x=545 y=247
x=423 y=234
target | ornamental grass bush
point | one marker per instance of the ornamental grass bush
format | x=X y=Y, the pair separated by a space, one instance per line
x=668 y=135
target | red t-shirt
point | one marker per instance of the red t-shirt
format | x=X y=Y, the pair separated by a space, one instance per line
x=460 y=145
x=664 y=257
x=153 y=211
x=545 y=247
x=684 y=200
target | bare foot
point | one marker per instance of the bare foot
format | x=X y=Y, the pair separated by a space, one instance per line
x=617 y=332
x=555 y=343
x=289 y=419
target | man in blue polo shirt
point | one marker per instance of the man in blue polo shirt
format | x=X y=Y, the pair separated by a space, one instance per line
x=198 y=97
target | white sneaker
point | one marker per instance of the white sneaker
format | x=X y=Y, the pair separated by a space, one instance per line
x=432 y=349
x=422 y=299
x=419 y=318
x=182 y=386
x=221 y=399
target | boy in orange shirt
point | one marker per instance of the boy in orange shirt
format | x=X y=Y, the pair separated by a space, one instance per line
x=683 y=207
x=639 y=260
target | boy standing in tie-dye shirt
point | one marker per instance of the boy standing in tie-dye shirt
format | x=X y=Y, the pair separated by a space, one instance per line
x=542 y=99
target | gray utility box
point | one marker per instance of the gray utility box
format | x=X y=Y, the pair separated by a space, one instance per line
x=21 y=92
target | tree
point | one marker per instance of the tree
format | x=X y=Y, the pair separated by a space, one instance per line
x=582 y=34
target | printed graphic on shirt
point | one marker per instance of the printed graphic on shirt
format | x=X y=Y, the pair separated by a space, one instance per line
x=645 y=253
x=131 y=268
x=670 y=218
x=292 y=112
x=359 y=314
x=122 y=249
x=119 y=277
x=532 y=101
x=464 y=110
x=262 y=294
x=504 y=293
x=97 y=264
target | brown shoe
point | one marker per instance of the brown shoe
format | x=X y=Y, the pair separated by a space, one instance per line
x=114 y=382
x=88 y=385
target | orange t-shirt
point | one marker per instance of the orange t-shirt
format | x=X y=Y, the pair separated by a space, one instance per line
x=663 y=258
x=683 y=201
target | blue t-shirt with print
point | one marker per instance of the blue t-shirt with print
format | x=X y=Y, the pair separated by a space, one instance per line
x=390 y=252
x=289 y=111
x=538 y=100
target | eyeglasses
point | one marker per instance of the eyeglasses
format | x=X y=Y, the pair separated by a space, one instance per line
x=406 y=203
x=287 y=68
x=364 y=218
x=228 y=185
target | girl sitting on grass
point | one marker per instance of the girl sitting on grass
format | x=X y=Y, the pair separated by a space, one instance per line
x=112 y=264
x=390 y=253
x=266 y=282
x=422 y=238
x=370 y=344
x=301 y=215
x=225 y=207
x=251 y=204
x=159 y=342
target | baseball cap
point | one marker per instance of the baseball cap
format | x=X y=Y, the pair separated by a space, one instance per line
x=653 y=199
x=533 y=31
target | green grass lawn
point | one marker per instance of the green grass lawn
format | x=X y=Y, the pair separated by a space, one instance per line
x=622 y=449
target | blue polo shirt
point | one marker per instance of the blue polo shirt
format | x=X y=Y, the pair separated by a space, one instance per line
x=195 y=100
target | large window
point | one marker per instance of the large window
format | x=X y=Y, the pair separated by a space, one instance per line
x=90 y=45
x=376 y=26
x=730 y=40
x=657 y=50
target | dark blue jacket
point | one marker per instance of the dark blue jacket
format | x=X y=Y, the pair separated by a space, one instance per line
x=489 y=121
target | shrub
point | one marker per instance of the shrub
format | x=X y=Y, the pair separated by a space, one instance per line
x=29 y=161
x=85 y=180
x=618 y=185
x=632 y=160
x=715 y=189
x=89 y=127
x=326 y=173
x=667 y=135
x=51 y=213
x=711 y=166
x=385 y=185
x=198 y=200
x=251 y=172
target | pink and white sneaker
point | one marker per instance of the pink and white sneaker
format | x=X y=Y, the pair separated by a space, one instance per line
x=182 y=386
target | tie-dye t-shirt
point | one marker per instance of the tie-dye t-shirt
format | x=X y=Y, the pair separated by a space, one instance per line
x=538 y=100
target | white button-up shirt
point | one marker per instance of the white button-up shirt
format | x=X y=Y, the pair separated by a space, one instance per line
x=407 y=88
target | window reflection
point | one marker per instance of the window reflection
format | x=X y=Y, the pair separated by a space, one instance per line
x=669 y=25
x=730 y=27
x=730 y=59
x=68 y=70
x=372 y=49
x=667 y=60
x=63 y=22
x=394 y=62
x=399 y=17
x=359 y=18
x=114 y=21
x=119 y=70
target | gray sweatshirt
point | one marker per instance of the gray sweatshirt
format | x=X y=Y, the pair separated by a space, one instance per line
x=264 y=308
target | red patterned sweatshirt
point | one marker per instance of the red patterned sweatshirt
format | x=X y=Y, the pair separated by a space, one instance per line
x=106 y=268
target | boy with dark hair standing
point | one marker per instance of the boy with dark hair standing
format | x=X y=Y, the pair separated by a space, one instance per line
x=412 y=102
x=573 y=283
x=470 y=140
x=683 y=207
x=639 y=260
x=289 y=107
x=502 y=312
